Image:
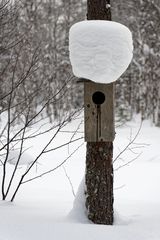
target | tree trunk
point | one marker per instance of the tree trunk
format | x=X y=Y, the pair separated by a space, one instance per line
x=99 y=166
x=99 y=182
x=98 y=10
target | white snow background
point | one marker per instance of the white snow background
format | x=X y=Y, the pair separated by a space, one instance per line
x=42 y=207
x=100 y=50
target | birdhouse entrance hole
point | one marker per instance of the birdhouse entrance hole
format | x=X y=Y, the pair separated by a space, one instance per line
x=98 y=98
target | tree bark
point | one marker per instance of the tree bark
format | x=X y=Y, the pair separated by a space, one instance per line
x=99 y=165
x=98 y=10
x=99 y=182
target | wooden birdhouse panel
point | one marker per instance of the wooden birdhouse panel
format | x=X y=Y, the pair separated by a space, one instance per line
x=99 y=112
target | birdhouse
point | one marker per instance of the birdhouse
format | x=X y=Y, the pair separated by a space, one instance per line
x=101 y=51
x=99 y=112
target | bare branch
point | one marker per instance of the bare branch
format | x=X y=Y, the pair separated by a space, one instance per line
x=69 y=180
x=52 y=170
x=129 y=144
x=8 y=131
x=18 y=160
x=127 y=163
x=71 y=141
x=36 y=115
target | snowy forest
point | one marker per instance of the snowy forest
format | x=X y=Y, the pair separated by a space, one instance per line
x=79 y=155
x=35 y=62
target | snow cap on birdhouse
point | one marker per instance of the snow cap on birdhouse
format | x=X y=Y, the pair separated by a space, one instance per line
x=100 y=50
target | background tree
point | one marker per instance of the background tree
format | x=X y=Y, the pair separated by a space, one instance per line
x=42 y=27
x=138 y=90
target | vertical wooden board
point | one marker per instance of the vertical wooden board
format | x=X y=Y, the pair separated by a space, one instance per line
x=107 y=112
x=89 y=112
x=108 y=125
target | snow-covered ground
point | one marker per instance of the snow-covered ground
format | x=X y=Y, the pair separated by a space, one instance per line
x=41 y=208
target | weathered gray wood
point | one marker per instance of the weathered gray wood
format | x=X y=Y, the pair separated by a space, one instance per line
x=99 y=118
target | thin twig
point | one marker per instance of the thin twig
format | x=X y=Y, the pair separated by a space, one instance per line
x=126 y=164
x=127 y=146
x=69 y=180
x=53 y=149
x=51 y=170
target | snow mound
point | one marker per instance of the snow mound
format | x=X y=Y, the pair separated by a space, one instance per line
x=25 y=158
x=100 y=50
x=79 y=212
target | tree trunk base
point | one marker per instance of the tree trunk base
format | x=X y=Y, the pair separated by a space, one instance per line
x=99 y=182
